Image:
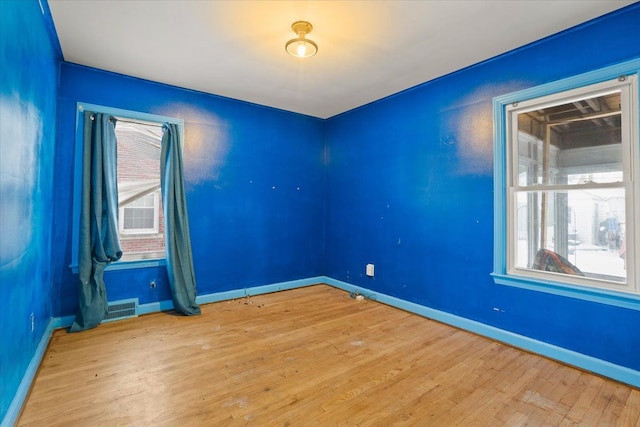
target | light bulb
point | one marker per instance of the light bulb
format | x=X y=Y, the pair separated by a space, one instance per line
x=302 y=49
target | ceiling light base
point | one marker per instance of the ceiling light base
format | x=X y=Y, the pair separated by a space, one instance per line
x=301 y=47
x=301 y=27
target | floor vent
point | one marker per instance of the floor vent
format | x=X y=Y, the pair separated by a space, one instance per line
x=122 y=309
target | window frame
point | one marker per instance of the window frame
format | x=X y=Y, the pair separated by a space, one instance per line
x=77 y=177
x=504 y=214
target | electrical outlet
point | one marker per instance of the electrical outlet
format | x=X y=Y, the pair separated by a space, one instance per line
x=370 y=270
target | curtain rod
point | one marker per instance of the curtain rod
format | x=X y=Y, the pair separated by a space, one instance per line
x=139 y=122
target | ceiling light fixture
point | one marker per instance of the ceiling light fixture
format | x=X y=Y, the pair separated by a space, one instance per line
x=301 y=47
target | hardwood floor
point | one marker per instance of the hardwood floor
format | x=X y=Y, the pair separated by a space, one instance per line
x=304 y=357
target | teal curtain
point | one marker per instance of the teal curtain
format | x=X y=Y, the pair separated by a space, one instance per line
x=99 y=243
x=176 y=224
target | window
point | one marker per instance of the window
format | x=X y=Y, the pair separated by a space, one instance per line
x=140 y=220
x=140 y=216
x=566 y=198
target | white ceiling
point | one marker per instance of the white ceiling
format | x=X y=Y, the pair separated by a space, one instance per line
x=367 y=49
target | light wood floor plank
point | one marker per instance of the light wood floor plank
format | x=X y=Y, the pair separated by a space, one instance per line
x=305 y=357
x=630 y=414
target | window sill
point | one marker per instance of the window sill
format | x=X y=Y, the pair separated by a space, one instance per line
x=137 y=235
x=127 y=265
x=619 y=299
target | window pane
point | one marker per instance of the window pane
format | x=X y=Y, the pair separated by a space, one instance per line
x=138 y=218
x=128 y=221
x=581 y=138
x=582 y=231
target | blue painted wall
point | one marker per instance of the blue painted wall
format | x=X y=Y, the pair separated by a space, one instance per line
x=410 y=189
x=404 y=183
x=29 y=58
x=254 y=180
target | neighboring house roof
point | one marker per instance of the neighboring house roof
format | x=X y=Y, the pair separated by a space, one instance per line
x=131 y=191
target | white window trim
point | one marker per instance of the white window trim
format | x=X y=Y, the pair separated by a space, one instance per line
x=548 y=282
x=625 y=88
x=77 y=177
